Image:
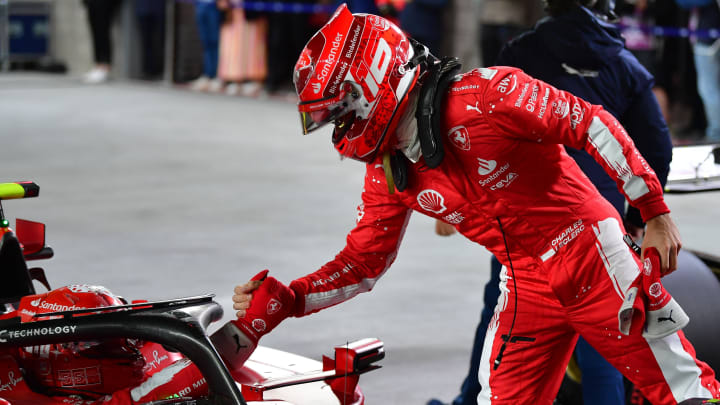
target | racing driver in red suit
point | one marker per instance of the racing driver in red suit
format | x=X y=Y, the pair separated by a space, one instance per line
x=484 y=151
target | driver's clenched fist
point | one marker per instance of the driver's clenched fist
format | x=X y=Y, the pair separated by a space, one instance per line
x=261 y=304
x=242 y=296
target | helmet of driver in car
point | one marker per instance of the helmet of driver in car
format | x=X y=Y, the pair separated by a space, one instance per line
x=354 y=73
x=90 y=368
x=68 y=298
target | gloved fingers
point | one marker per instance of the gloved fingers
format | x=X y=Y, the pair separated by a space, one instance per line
x=241 y=301
x=242 y=292
x=241 y=305
x=247 y=288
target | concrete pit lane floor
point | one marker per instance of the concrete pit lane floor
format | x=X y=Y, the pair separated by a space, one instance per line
x=158 y=192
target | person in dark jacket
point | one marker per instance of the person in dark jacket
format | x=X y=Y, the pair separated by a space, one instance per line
x=577 y=50
x=359 y=6
x=423 y=20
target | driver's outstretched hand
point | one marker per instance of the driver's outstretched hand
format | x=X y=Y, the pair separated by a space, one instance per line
x=261 y=304
x=242 y=295
x=662 y=234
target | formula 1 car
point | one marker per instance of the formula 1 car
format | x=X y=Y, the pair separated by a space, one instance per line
x=178 y=325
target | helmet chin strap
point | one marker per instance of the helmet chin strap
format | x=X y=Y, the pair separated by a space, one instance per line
x=407 y=130
x=418 y=132
x=408 y=145
x=387 y=167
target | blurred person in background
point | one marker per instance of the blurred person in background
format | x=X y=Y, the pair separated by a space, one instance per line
x=390 y=9
x=501 y=21
x=287 y=34
x=423 y=21
x=705 y=16
x=635 y=19
x=668 y=57
x=243 y=60
x=151 y=24
x=578 y=50
x=207 y=17
x=362 y=6
x=100 y=17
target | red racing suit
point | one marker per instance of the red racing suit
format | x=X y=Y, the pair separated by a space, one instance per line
x=507 y=183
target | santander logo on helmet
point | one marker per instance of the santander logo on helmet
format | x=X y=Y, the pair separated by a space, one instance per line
x=328 y=63
x=351 y=74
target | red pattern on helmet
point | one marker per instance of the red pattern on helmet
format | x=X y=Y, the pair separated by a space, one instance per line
x=68 y=298
x=369 y=52
x=92 y=368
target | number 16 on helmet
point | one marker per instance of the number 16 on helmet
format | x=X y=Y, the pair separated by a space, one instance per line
x=354 y=73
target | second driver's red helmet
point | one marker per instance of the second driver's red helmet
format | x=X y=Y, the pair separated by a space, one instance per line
x=354 y=73
x=68 y=298
x=88 y=368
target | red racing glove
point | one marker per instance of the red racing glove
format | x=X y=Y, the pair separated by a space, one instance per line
x=664 y=315
x=648 y=306
x=271 y=303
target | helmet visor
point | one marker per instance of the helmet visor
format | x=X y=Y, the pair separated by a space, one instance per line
x=316 y=113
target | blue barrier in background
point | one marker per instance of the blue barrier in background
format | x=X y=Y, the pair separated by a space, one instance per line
x=305 y=8
x=674 y=31
x=278 y=6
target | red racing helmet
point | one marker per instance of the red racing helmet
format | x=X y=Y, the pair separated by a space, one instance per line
x=88 y=368
x=354 y=73
x=68 y=298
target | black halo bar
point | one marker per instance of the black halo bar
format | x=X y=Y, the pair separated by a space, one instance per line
x=176 y=324
x=142 y=306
